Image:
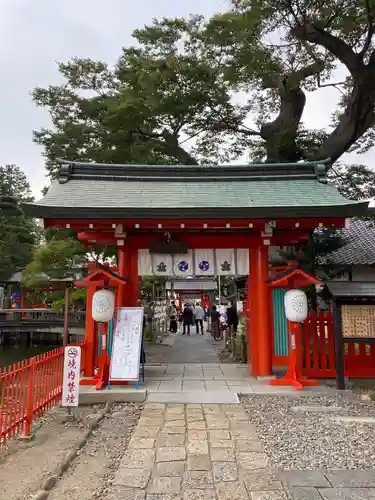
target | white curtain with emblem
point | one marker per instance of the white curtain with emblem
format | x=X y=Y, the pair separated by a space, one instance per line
x=183 y=264
x=162 y=265
x=225 y=261
x=204 y=262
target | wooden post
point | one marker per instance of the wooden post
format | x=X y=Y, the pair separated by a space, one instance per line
x=30 y=398
x=90 y=341
x=66 y=317
x=339 y=351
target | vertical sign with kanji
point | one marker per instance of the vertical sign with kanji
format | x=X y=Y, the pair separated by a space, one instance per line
x=72 y=369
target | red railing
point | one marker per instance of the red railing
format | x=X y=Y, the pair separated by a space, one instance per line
x=318 y=358
x=29 y=389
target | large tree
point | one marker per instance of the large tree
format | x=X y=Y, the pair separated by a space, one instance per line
x=18 y=235
x=195 y=90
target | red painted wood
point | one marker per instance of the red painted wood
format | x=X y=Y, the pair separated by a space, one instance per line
x=323 y=341
x=307 y=344
x=331 y=341
x=81 y=224
x=315 y=343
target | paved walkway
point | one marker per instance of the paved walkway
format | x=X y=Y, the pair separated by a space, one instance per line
x=193 y=349
x=212 y=452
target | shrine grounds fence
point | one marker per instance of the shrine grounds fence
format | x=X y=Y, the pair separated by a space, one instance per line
x=28 y=390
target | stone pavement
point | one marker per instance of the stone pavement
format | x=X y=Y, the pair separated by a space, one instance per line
x=193 y=348
x=212 y=452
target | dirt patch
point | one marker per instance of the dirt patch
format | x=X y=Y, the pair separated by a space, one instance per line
x=25 y=465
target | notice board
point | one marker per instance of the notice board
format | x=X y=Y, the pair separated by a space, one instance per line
x=127 y=341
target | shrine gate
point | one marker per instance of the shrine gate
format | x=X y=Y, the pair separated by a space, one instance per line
x=201 y=220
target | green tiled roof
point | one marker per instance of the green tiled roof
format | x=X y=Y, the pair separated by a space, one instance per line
x=106 y=191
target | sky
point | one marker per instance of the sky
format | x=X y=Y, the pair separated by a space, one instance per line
x=35 y=34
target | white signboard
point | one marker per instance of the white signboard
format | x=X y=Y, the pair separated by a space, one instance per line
x=127 y=340
x=72 y=370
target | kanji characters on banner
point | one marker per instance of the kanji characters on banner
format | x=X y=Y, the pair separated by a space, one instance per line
x=71 y=376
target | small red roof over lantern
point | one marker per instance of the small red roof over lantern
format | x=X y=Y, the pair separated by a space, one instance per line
x=102 y=277
x=293 y=277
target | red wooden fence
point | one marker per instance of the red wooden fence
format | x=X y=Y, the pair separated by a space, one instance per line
x=28 y=389
x=318 y=359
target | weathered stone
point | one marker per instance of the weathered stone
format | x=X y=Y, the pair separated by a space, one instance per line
x=132 y=478
x=198 y=480
x=146 y=432
x=170 y=440
x=252 y=460
x=174 y=417
x=248 y=445
x=117 y=492
x=138 y=459
x=162 y=485
x=175 y=409
x=199 y=426
x=221 y=443
x=243 y=434
x=261 y=481
x=150 y=421
x=195 y=417
x=243 y=426
x=175 y=423
x=197 y=435
x=211 y=408
x=268 y=495
x=231 y=491
x=347 y=419
x=141 y=443
x=304 y=478
x=344 y=494
x=222 y=455
x=155 y=406
x=197 y=447
x=169 y=454
x=199 y=462
x=194 y=406
x=218 y=425
x=173 y=430
x=161 y=496
x=352 y=479
x=237 y=416
x=305 y=493
x=199 y=495
x=170 y=469
x=225 y=471
x=221 y=434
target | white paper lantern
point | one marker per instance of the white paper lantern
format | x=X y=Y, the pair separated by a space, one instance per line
x=103 y=306
x=295 y=303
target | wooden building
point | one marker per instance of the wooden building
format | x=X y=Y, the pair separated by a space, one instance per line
x=173 y=220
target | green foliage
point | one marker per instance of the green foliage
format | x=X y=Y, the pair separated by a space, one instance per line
x=196 y=90
x=18 y=235
x=56 y=258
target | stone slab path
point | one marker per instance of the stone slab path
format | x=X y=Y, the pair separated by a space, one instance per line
x=193 y=349
x=212 y=452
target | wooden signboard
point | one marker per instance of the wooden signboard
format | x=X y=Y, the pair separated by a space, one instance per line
x=358 y=321
x=127 y=342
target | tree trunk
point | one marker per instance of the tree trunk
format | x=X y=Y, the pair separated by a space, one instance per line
x=357 y=118
x=280 y=134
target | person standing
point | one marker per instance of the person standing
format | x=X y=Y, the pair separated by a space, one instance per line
x=187 y=319
x=232 y=319
x=215 y=323
x=199 y=317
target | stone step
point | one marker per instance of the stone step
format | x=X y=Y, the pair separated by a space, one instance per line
x=197 y=397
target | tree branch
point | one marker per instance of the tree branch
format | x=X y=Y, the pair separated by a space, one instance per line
x=167 y=142
x=340 y=49
x=370 y=30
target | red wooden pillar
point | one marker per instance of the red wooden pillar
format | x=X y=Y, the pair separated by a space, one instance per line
x=123 y=271
x=134 y=291
x=90 y=341
x=261 y=331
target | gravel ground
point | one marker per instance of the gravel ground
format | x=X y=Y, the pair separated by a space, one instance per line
x=25 y=465
x=312 y=440
x=91 y=474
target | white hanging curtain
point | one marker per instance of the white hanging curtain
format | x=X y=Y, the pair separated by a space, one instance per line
x=225 y=261
x=242 y=261
x=183 y=264
x=162 y=265
x=204 y=262
x=144 y=263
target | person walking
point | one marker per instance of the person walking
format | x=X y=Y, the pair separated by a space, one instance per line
x=215 y=323
x=187 y=319
x=199 y=317
x=232 y=319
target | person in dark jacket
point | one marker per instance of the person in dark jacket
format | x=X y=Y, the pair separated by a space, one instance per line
x=187 y=319
x=215 y=323
x=232 y=318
